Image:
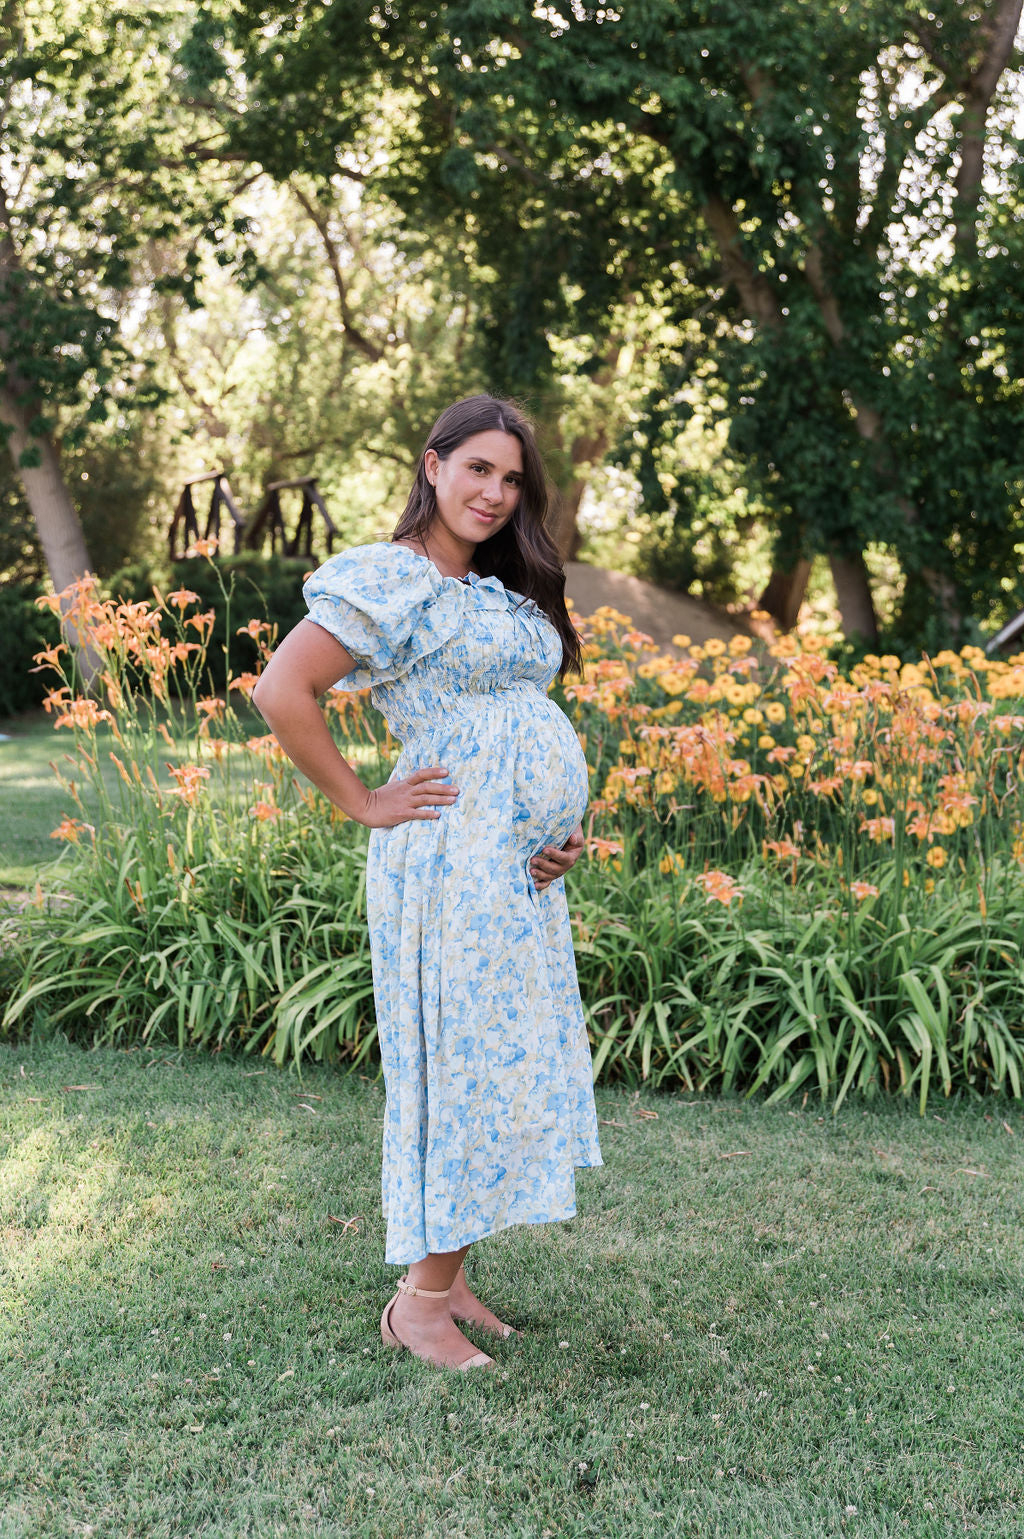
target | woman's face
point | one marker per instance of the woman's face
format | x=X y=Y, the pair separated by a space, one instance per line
x=478 y=485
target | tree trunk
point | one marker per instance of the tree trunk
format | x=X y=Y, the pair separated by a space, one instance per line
x=46 y=492
x=999 y=31
x=785 y=593
x=856 y=604
x=57 y=523
x=49 y=501
x=564 y=528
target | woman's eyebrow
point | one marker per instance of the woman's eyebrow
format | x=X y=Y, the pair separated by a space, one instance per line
x=478 y=459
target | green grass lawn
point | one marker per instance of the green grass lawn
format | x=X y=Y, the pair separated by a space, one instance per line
x=31 y=801
x=762 y=1322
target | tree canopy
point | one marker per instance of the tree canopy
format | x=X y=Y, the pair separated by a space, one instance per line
x=806 y=225
x=834 y=197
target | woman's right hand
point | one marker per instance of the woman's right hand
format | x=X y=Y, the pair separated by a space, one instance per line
x=416 y=796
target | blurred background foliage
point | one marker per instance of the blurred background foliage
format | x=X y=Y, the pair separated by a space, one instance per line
x=755 y=270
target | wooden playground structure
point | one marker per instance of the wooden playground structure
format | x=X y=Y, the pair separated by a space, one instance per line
x=269 y=525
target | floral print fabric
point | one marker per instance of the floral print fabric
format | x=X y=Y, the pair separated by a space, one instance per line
x=487 y=1067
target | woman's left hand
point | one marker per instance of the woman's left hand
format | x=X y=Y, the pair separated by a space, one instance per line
x=551 y=863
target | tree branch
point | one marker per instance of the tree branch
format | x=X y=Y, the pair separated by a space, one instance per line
x=316 y=216
x=754 y=289
x=1001 y=31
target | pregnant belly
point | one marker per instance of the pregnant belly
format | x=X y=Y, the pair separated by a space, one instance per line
x=549 y=778
x=517 y=762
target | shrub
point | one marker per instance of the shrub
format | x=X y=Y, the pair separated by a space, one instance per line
x=26 y=630
x=214 y=899
x=238 y=588
x=796 y=879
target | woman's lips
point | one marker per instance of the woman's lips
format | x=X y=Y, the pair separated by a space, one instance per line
x=487 y=517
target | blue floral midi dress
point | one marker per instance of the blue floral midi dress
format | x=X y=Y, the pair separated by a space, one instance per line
x=487 y=1067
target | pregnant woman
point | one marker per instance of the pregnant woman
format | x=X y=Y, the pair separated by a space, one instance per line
x=458 y=626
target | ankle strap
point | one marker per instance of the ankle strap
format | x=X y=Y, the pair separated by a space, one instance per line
x=426 y=1293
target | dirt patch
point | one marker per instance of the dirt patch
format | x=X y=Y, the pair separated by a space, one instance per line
x=658 y=611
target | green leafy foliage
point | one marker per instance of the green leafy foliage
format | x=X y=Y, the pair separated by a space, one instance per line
x=812 y=205
x=26 y=631
x=237 y=589
x=803 y=996
x=103 y=130
x=226 y=908
x=277 y=964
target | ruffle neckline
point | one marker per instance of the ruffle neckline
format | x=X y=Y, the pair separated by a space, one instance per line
x=497 y=595
x=390 y=611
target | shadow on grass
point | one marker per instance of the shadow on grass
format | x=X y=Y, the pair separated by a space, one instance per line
x=744 y=1331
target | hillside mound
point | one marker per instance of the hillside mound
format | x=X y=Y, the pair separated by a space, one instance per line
x=658 y=611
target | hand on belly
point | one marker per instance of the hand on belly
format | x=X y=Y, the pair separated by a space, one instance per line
x=550 y=785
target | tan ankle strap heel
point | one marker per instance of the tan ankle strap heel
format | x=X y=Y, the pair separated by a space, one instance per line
x=405 y=1286
x=478 y=1359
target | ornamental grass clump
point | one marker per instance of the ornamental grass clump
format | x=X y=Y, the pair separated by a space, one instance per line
x=212 y=897
x=826 y=873
x=796 y=879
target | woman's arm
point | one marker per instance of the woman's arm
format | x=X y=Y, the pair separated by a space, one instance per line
x=307 y=663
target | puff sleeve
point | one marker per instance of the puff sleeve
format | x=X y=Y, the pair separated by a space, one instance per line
x=387 y=606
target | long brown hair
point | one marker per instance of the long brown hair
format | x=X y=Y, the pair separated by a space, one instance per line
x=522 y=554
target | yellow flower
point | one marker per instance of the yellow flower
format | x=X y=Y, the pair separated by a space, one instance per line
x=680 y=641
x=714 y=648
x=869 y=796
x=936 y=857
x=766 y=740
x=672 y=683
x=736 y=694
x=929 y=885
x=753 y=717
x=805 y=743
x=796 y=770
x=740 y=644
x=775 y=712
